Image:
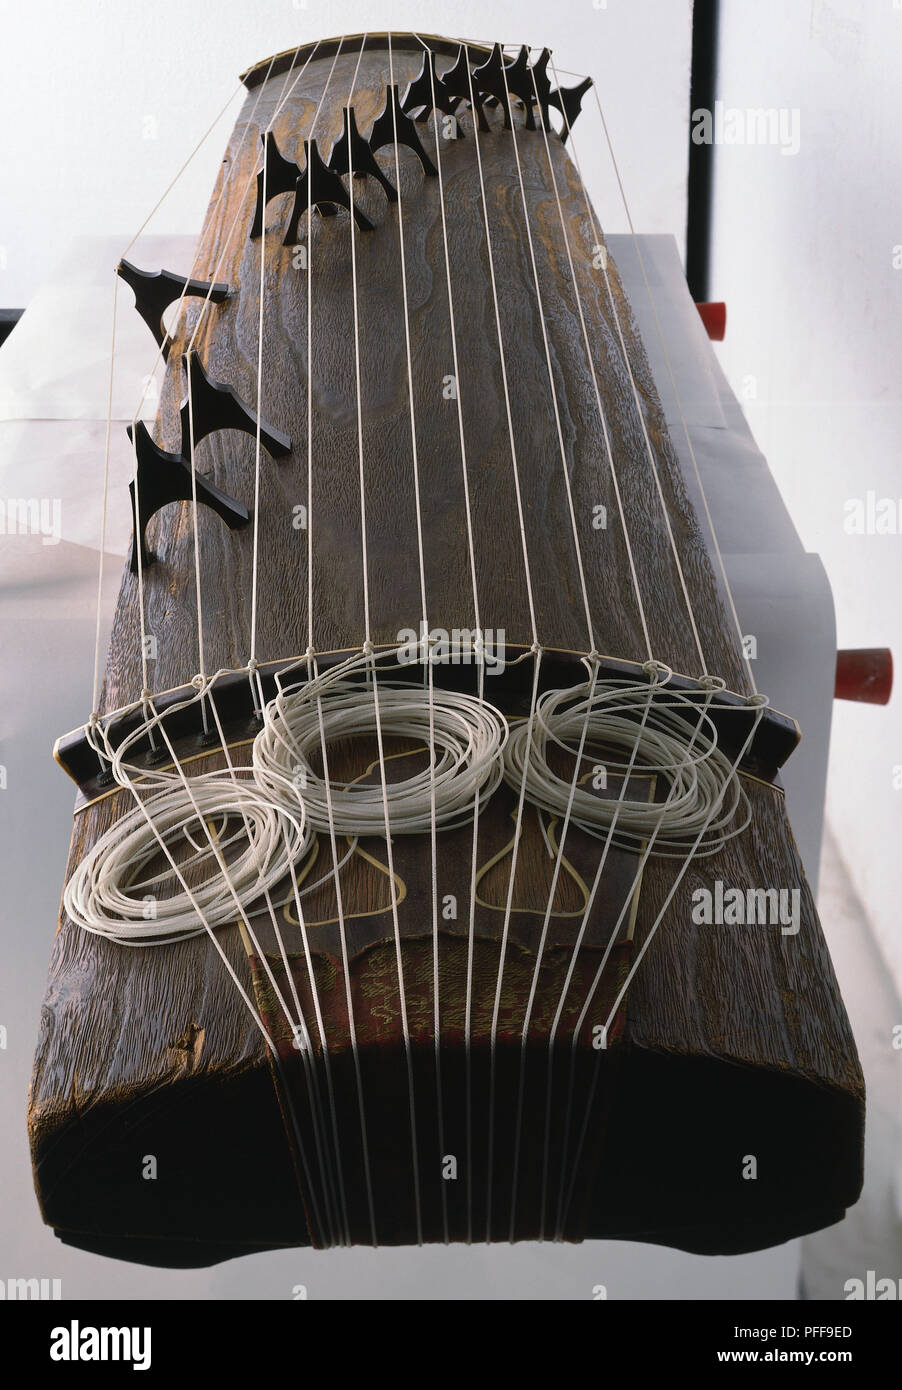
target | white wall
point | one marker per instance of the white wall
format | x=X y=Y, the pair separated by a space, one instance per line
x=102 y=100
x=803 y=255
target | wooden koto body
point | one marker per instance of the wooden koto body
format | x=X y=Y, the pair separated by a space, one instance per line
x=731 y=1041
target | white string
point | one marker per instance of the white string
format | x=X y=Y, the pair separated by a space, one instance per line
x=464 y=736
x=108 y=896
x=590 y=358
x=529 y=755
x=644 y=427
x=554 y=399
x=651 y=298
x=760 y=703
x=167 y=335
x=200 y=627
x=429 y=672
x=185 y=803
x=536 y=652
x=258 y=440
x=534 y=755
x=95 y=696
x=368 y=648
x=658 y=748
x=658 y=678
x=471 y=553
x=171 y=185
x=258 y=437
x=312 y=667
x=331 y=1182
x=503 y=364
x=655 y=678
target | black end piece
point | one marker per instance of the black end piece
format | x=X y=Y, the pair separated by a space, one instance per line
x=519 y=84
x=458 y=84
x=569 y=101
x=427 y=92
x=393 y=124
x=216 y=407
x=352 y=153
x=161 y=477
x=539 y=71
x=281 y=176
x=490 y=79
x=155 y=290
x=542 y=85
x=319 y=187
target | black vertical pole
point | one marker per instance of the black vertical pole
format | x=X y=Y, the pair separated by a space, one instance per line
x=701 y=157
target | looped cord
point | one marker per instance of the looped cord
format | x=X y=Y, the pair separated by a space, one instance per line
x=659 y=670
x=115 y=891
x=703 y=792
x=469 y=748
x=463 y=736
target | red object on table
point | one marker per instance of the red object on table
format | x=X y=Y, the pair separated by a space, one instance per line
x=714 y=317
x=865 y=674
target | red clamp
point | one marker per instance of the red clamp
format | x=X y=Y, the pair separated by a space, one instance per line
x=714 y=317
x=865 y=674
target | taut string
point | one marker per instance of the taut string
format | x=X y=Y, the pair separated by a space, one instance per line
x=480 y=669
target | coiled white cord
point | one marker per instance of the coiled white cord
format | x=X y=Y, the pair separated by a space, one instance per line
x=702 y=789
x=277 y=805
x=466 y=736
x=108 y=894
